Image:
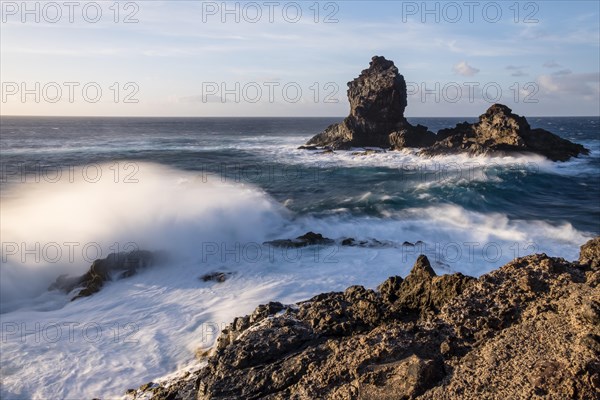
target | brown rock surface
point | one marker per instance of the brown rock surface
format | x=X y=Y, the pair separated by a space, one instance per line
x=527 y=330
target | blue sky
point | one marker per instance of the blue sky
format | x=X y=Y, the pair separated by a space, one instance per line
x=190 y=58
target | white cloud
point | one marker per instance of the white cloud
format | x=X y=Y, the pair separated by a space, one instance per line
x=519 y=73
x=552 y=64
x=464 y=69
x=563 y=72
x=517 y=70
x=582 y=84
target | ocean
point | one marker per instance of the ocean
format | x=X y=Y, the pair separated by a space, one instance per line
x=209 y=192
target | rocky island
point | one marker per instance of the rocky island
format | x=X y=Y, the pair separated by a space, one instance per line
x=378 y=99
x=530 y=329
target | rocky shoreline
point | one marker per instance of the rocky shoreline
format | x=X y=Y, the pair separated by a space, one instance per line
x=530 y=329
x=378 y=99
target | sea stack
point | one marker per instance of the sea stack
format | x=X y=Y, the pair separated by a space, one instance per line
x=377 y=102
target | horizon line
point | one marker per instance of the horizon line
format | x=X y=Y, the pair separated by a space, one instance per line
x=263 y=116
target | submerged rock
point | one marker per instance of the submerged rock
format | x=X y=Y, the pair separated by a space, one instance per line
x=367 y=152
x=526 y=330
x=308 y=239
x=311 y=239
x=219 y=277
x=115 y=266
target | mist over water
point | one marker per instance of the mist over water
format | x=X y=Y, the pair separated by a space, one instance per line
x=50 y=228
x=210 y=192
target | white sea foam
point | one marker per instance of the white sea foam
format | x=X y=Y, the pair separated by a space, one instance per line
x=59 y=227
x=137 y=329
x=454 y=166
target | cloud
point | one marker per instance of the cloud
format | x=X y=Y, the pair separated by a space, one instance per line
x=519 y=73
x=518 y=70
x=464 y=69
x=582 y=84
x=562 y=72
x=552 y=64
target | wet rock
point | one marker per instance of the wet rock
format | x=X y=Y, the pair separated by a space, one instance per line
x=308 y=239
x=115 y=266
x=370 y=243
x=349 y=242
x=219 y=277
x=367 y=152
x=326 y=151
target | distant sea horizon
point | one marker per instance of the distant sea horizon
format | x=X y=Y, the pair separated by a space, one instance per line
x=269 y=116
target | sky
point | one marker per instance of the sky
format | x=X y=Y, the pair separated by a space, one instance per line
x=286 y=58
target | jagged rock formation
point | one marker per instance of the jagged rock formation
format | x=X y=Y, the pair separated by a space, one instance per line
x=218 y=277
x=377 y=102
x=312 y=239
x=115 y=266
x=308 y=239
x=501 y=131
x=530 y=329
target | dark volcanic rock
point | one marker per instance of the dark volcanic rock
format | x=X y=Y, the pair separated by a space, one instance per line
x=377 y=102
x=219 y=277
x=527 y=330
x=115 y=266
x=416 y=137
x=500 y=131
x=308 y=239
x=311 y=238
x=371 y=243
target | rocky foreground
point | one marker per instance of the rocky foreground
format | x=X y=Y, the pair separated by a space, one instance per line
x=530 y=329
x=378 y=99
